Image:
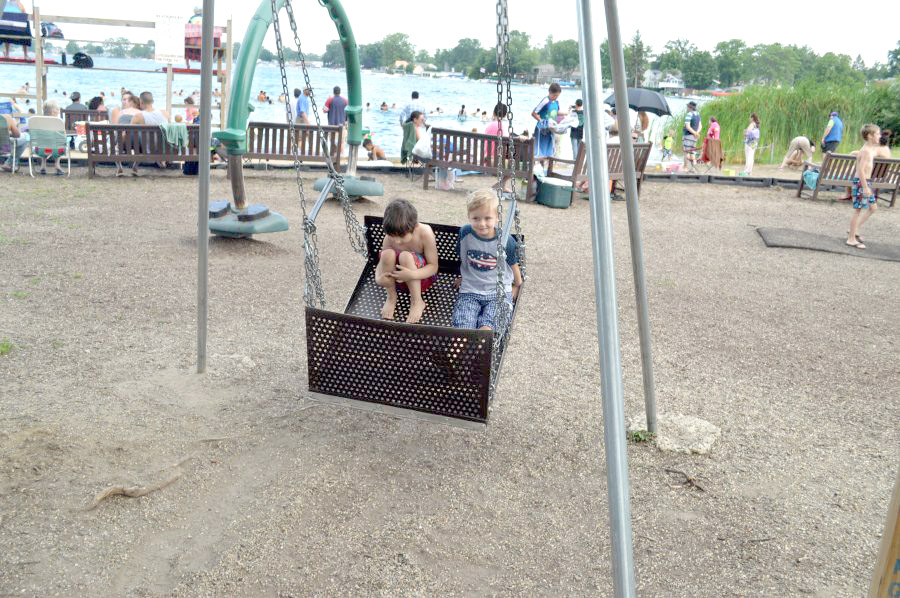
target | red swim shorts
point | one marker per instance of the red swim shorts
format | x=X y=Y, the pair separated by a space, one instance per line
x=420 y=263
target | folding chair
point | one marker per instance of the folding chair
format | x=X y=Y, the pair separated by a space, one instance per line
x=48 y=138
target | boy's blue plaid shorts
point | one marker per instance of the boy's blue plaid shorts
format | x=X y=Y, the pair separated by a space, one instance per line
x=476 y=311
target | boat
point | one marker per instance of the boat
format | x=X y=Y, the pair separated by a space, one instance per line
x=567 y=84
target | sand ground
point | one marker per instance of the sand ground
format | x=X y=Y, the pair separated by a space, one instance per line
x=794 y=354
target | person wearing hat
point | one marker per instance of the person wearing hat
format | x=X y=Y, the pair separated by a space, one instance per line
x=690 y=134
x=834 y=132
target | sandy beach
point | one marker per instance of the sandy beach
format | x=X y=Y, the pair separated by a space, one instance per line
x=263 y=492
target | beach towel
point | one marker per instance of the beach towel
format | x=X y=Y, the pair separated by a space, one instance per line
x=409 y=141
x=14 y=22
x=176 y=134
x=811 y=179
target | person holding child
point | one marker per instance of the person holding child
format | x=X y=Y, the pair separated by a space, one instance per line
x=546 y=110
x=477 y=305
x=751 y=142
x=864 y=197
x=408 y=260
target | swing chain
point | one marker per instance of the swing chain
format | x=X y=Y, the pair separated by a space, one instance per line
x=503 y=76
x=313 y=291
x=355 y=231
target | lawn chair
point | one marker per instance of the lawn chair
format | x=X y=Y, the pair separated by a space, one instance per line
x=48 y=139
x=7 y=144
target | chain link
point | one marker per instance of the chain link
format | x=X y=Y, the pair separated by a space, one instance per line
x=313 y=291
x=505 y=155
x=355 y=231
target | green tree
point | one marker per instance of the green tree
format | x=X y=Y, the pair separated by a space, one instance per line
x=546 y=53
x=93 y=49
x=370 y=55
x=72 y=48
x=423 y=57
x=396 y=46
x=334 y=54
x=699 y=70
x=729 y=61
x=893 y=63
x=522 y=57
x=565 y=55
x=674 y=55
x=605 y=63
x=116 y=47
x=465 y=55
x=836 y=68
x=143 y=50
x=266 y=55
x=637 y=60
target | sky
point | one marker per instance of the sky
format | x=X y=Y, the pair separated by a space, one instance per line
x=823 y=25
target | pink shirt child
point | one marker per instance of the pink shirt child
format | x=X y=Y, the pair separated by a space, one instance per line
x=713 y=131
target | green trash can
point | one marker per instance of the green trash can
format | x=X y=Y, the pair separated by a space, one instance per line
x=554 y=193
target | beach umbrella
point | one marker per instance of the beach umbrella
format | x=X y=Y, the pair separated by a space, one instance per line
x=645 y=100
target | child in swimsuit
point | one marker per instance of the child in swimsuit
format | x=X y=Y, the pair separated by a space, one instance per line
x=864 y=197
x=408 y=260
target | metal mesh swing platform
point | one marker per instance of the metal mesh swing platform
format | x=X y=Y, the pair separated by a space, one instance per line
x=429 y=368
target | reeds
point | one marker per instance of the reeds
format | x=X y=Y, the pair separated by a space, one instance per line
x=785 y=113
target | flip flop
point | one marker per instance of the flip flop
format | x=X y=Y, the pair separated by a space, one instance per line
x=856 y=245
x=858 y=238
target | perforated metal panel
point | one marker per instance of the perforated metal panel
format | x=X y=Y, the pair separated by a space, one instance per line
x=428 y=367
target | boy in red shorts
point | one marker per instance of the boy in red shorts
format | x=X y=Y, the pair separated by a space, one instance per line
x=408 y=260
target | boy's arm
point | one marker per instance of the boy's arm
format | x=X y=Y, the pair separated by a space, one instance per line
x=404 y=274
x=517 y=280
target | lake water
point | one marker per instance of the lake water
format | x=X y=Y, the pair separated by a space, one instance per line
x=445 y=93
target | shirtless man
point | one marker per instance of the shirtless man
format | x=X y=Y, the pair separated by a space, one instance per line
x=864 y=197
x=408 y=259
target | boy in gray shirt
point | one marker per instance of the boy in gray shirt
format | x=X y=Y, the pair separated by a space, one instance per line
x=476 y=305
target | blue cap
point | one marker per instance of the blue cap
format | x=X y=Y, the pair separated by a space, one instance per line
x=833 y=114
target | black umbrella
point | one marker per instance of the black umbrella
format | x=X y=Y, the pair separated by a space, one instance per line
x=644 y=99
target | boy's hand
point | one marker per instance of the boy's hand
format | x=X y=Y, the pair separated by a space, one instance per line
x=403 y=274
x=515 y=292
x=457 y=282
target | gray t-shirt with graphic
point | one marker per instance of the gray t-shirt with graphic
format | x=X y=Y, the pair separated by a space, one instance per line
x=478 y=262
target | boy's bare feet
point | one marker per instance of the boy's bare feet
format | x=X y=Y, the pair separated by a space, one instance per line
x=416 y=309
x=387 y=312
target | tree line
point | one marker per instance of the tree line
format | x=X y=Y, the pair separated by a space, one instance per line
x=730 y=63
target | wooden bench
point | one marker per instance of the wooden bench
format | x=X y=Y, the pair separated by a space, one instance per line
x=270 y=141
x=576 y=170
x=477 y=152
x=70 y=117
x=838 y=170
x=137 y=143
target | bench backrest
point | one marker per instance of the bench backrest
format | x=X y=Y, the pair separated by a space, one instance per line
x=837 y=167
x=614 y=159
x=70 y=117
x=477 y=151
x=271 y=141
x=107 y=142
x=886 y=173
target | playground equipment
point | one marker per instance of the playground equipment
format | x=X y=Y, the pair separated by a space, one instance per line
x=334 y=330
x=238 y=218
x=429 y=368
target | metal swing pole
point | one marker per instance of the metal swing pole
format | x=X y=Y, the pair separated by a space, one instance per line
x=206 y=60
x=620 y=86
x=613 y=393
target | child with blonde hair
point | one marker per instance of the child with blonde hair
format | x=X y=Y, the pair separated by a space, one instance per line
x=477 y=305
